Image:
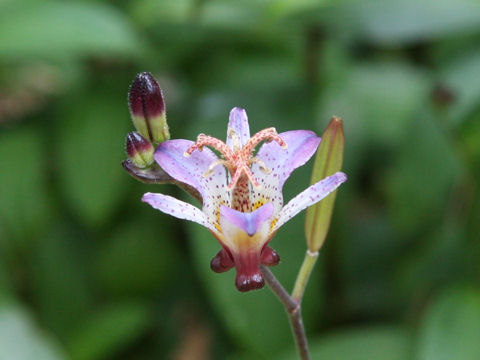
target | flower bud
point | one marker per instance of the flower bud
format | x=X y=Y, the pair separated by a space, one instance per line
x=139 y=150
x=328 y=161
x=147 y=108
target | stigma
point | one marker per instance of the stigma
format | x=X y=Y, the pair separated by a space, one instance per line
x=237 y=159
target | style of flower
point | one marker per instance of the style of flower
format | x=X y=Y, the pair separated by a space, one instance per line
x=241 y=192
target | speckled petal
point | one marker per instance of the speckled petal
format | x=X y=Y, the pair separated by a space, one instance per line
x=238 y=122
x=191 y=170
x=301 y=145
x=177 y=208
x=308 y=197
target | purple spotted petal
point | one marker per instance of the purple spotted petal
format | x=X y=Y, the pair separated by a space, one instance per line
x=248 y=222
x=191 y=170
x=301 y=145
x=308 y=197
x=177 y=208
x=238 y=122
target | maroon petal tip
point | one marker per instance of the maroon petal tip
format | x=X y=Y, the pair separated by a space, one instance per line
x=269 y=256
x=248 y=282
x=222 y=262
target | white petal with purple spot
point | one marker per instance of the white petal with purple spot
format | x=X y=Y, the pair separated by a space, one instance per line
x=238 y=122
x=308 y=197
x=301 y=145
x=192 y=170
x=177 y=208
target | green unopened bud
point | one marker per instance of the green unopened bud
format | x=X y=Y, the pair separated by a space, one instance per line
x=139 y=150
x=147 y=108
x=328 y=161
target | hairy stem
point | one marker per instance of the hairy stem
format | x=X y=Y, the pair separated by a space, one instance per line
x=293 y=309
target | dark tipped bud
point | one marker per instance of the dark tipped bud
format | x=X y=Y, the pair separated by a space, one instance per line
x=147 y=108
x=139 y=150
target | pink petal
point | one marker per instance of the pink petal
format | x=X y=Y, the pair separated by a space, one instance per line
x=245 y=236
x=250 y=222
x=301 y=145
x=308 y=197
x=238 y=122
x=177 y=208
x=190 y=170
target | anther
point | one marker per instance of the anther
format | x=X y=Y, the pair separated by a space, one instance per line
x=213 y=165
x=232 y=134
x=261 y=165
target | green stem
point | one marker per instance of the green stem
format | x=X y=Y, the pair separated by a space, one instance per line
x=303 y=275
x=293 y=309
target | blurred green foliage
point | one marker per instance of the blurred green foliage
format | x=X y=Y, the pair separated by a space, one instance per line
x=88 y=272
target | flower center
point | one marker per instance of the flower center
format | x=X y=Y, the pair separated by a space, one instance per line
x=238 y=161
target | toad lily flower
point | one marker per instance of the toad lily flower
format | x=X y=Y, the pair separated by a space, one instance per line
x=241 y=192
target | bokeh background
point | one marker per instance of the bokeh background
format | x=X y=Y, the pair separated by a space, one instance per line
x=88 y=272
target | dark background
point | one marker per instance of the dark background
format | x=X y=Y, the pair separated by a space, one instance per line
x=89 y=272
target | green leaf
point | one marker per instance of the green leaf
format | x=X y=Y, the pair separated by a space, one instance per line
x=460 y=77
x=394 y=22
x=25 y=205
x=64 y=29
x=424 y=173
x=364 y=261
x=150 y=11
x=59 y=280
x=135 y=260
x=451 y=328
x=5 y=288
x=440 y=257
x=368 y=103
x=109 y=331
x=369 y=343
x=90 y=149
x=20 y=339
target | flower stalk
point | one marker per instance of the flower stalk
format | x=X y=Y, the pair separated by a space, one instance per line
x=304 y=275
x=240 y=189
x=294 y=312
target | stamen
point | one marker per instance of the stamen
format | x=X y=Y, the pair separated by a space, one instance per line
x=267 y=135
x=232 y=134
x=213 y=165
x=245 y=169
x=206 y=140
x=235 y=178
x=239 y=159
x=261 y=164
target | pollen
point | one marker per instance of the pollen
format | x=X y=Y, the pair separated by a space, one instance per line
x=217 y=217
x=272 y=224
x=258 y=204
